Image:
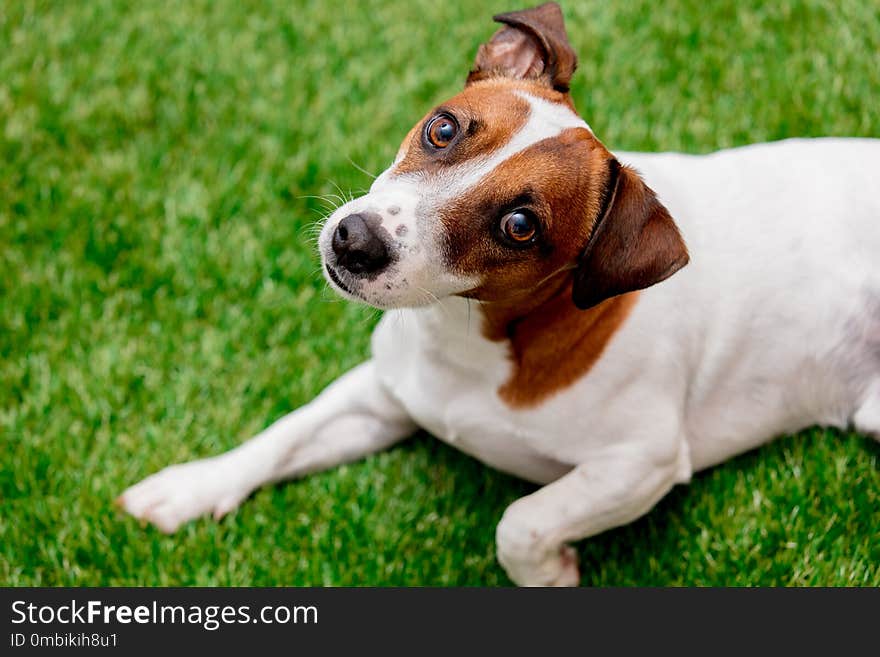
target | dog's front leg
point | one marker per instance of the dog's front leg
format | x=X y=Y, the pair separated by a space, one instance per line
x=353 y=417
x=612 y=489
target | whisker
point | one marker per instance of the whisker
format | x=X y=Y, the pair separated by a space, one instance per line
x=567 y=267
x=327 y=199
x=341 y=192
x=340 y=201
x=361 y=169
x=436 y=300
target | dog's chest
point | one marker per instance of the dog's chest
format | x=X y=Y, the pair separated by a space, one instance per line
x=448 y=382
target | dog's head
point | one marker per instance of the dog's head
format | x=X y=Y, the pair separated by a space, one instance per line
x=501 y=189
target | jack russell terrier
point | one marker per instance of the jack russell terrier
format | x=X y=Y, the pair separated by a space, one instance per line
x=531 y=323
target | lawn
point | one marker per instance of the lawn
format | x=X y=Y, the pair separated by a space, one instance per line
x=161 y=297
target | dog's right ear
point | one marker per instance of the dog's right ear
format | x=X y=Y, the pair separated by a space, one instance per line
x=533 y=45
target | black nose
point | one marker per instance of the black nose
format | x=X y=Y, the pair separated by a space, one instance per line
x=357 y=247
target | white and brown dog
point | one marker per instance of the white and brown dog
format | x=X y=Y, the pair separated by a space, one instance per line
x=519 y=261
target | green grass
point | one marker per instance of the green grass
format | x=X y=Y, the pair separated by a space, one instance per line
x=161 y=300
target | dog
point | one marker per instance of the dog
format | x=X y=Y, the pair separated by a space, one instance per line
x=603 y=325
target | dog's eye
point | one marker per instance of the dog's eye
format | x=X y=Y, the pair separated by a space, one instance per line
x=519 y=226
x=441 y=131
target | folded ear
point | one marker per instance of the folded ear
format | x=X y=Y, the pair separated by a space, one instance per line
x=532 y=45
x=633 y=246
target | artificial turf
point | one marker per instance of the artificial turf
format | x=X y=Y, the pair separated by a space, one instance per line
x=161 y=296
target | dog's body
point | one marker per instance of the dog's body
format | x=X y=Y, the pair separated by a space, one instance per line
x=773 y=326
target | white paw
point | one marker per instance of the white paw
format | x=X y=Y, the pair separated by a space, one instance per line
x=182 y=492
x=558 y=567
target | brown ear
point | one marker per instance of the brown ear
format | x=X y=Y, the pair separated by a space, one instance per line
x=633 y=246
x=533 y=45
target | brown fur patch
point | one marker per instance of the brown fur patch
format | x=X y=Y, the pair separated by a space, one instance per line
x=561 y=179
x=554 y=344
x=488 y=116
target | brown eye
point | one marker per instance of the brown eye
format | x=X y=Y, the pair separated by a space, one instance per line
x=441 y=131
x=519 y=226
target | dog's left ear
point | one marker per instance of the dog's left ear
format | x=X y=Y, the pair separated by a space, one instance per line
x=633 y=246
x=532 y=45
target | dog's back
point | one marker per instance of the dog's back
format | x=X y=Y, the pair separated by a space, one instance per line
x=785 y=282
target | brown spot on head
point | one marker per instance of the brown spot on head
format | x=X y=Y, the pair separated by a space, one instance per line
x=595 y=223
x=559 y=183
x=487 y=116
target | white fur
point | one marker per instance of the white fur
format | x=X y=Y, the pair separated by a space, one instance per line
x=772 y=327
